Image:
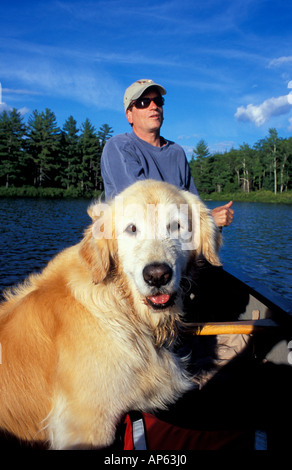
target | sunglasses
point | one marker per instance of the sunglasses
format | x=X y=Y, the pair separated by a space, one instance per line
x=142 y=103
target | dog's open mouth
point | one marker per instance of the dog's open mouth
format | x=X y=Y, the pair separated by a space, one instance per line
x=160 y=301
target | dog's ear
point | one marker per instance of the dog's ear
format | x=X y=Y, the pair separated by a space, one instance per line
x=208 y=240
x=210 y=236
x=98 y=247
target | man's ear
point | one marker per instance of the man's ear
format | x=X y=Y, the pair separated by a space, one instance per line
x=208 y=241
x=129 y=116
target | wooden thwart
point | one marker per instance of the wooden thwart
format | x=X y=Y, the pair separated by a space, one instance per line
x=245 y=327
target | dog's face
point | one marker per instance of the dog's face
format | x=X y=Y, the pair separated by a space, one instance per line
x=150 y=247
x=151 y=231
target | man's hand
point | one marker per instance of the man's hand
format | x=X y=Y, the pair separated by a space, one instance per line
x=223 y=215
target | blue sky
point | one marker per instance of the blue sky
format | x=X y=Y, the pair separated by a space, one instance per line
x=226 y=65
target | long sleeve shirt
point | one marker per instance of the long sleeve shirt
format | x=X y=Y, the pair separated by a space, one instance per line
x=126 y=159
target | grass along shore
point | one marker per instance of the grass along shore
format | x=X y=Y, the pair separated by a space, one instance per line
x=57 y=193
x=254 y=196
x=48 y=193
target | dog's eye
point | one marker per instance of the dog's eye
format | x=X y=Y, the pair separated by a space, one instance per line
x=131 y=229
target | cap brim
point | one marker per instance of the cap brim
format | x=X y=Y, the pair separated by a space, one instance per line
x=142 y=90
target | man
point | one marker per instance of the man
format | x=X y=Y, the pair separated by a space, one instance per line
x=144 y=153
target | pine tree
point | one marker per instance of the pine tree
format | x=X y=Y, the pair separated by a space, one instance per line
x=199 y=166
x=71 y=157
x=219 y=172
x=201 y=150
x=43 y=146
x=12 y=153
x=104 y=133
x=40 y=154
x=89 y=145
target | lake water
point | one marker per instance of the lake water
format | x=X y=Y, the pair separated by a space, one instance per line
x=32 y=231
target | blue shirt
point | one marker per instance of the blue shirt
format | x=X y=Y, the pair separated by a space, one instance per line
x=126 y=159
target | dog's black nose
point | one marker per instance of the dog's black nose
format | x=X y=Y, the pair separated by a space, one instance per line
x=157 y=274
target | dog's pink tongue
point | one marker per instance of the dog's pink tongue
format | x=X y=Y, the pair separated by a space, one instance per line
x=160 y=298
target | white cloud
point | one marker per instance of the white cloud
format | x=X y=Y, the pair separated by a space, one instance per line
x=23 y=110
x=15 y=91
x=280 y=60
x=8 y=108
x=218 y=147
x=91 y=86
x=188 y=151
x=5 y=107
x=259 y=114
x=290 y=124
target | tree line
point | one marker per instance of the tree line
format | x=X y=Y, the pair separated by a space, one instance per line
x=39 y=154
x=42 y=155
x=267 y=165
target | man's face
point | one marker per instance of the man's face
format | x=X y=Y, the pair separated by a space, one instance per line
x=148 y=119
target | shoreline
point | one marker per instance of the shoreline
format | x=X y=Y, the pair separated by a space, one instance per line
x=261 y=196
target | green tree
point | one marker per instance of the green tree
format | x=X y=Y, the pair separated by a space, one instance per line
x=286 y=164
x=104 y=133
x=89 y=146
x=42 y=155
x=233 y=166
x=71 y=156
x=12 y=152
x=246 y=155
x=272 y=143
x=199 y=166
x=201 y=150
x=43 y=146
x=220 y=172
x=262 y=165
x=271 y=159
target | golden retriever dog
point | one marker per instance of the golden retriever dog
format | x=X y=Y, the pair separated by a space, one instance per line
x=92 y=336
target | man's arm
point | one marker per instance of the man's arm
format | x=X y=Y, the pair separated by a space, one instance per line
x=119 y=168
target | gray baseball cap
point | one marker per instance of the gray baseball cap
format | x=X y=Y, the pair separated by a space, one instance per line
x=134 y=91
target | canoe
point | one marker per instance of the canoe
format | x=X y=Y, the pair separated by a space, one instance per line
x=244 y=399
x=234 y=303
